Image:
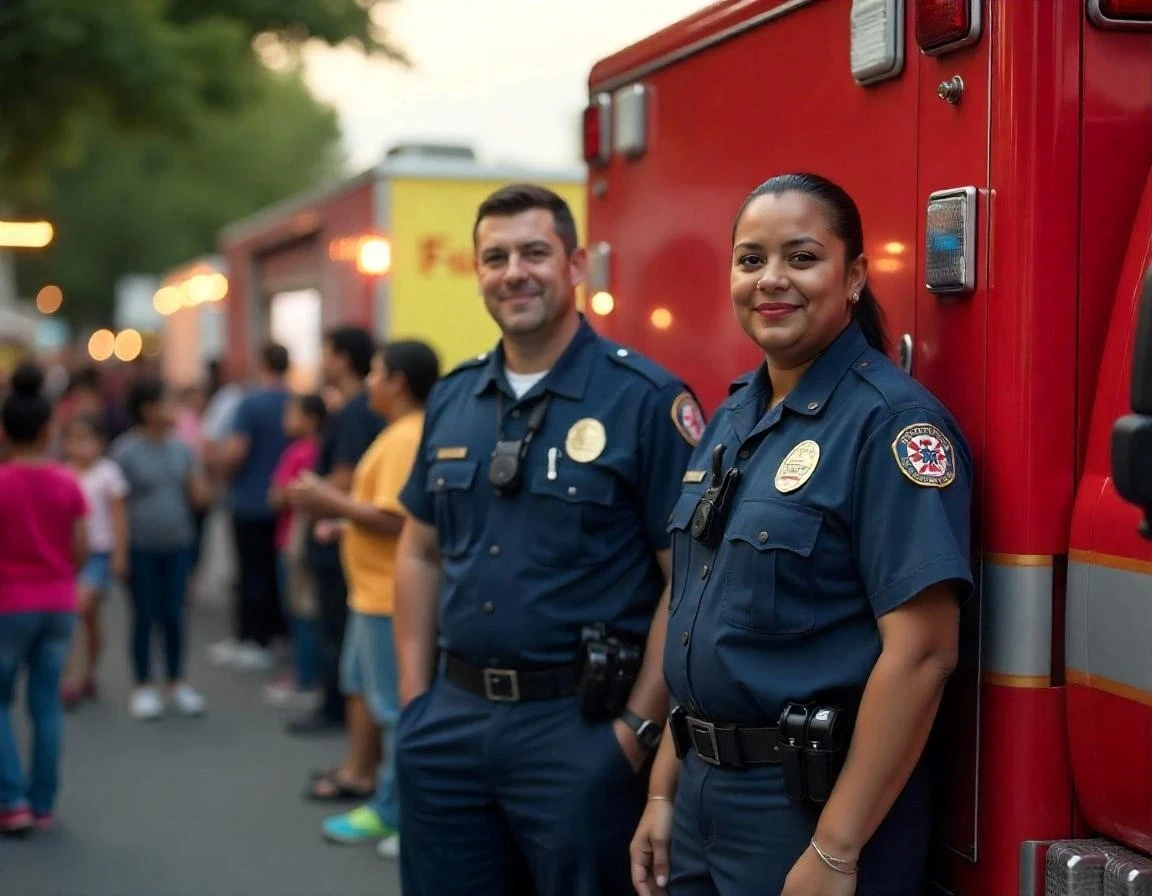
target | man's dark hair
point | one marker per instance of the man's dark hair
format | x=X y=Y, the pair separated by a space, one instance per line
x=516 y=198
x=417 y=362
x=355 y=344
x=145 y=391
x=274 y=356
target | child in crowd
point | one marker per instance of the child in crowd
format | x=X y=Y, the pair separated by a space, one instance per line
x=165 y=486
x=304 y=417
x=368 y=522
x=105 y=489
x=44 y=541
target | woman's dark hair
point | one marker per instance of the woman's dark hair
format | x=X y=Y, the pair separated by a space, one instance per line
x=92 y=423
x=145 y=391
x=843 y=220
x=355 y=344
x=417 y=361
x=313 y=405
x=26 y=412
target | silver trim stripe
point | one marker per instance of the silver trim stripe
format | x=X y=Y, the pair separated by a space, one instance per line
x=654 y=65
x=1016 y=620
x=1108 y=630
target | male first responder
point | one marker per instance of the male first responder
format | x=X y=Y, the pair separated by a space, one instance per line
x=539 y=502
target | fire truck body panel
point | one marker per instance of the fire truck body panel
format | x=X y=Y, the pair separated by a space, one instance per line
x=1051 y=131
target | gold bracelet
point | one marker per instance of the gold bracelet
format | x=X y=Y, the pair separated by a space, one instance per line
x=663 y=799
x=833 y=862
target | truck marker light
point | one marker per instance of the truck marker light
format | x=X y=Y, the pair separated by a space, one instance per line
x=603 y=304
x=946 y=25
x=599 y=257
x=629 y=127
x=374 y=256
x=877 y=40
x=1121 y=13
x=950 y=241
x=597 y=131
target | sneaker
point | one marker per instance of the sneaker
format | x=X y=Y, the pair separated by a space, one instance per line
x=186 y=700
x=389 y=847
x=146 y=704
x=285 y=695
x=222 y=653
x=15 y=822
x=43 y=822
x=252 y=658
x=361 y=825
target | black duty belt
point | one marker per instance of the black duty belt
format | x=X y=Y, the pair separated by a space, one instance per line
x=511 y=685
x=734 y=746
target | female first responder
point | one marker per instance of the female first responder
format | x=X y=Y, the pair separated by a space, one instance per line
x=820 y=555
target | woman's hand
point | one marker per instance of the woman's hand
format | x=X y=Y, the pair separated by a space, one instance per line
x=811 y=877
x=649 y=849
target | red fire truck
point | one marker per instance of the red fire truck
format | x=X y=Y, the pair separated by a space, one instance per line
x=1000 y=151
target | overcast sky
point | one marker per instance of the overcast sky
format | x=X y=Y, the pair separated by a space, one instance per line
x=507 y=77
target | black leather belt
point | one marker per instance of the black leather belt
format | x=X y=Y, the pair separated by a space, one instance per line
x=733 y=746
x=511 y=685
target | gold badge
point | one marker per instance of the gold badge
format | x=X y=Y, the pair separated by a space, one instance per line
x=797 y=467
x=586 y=440
x=456 y=452
x=694 y=476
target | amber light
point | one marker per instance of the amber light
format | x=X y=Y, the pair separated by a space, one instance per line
x=942 y=22
x=1127 y=9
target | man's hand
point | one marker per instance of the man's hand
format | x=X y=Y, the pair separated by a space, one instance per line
x=633 y=751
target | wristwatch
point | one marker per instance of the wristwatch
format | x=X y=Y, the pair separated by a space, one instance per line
x=647 y=731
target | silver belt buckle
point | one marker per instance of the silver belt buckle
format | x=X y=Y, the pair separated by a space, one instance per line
x=703 y=739
x=502 y=685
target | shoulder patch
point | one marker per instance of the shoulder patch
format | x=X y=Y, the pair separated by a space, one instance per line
x=925 y=455
x=638 y=363
x=688 y=417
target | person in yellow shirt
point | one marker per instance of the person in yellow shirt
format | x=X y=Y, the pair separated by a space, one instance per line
x=368 y=521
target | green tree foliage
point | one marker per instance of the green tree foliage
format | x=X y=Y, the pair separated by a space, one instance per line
x=147 y=202
x=142 y=64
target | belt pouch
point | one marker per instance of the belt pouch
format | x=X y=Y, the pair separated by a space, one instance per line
x=793 y=730
x=828 y=736
x=678 y=725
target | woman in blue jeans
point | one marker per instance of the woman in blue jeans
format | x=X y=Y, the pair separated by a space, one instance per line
x=164 y=488
x=44 y=542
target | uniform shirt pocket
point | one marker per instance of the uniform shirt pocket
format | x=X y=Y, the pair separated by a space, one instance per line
x=770 y=587
x=452 y=485
x=680 y=527
x=574 y=516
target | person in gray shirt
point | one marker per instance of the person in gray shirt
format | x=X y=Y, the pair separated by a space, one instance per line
x=165 y=484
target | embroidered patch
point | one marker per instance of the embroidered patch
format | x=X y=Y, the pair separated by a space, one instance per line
x=798 y=466
x=688 y=417
x=925 y=455
x=586 y=440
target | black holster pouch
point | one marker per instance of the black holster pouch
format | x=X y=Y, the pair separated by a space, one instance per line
x=678 y=725
x=814 y=740
x=609 y=666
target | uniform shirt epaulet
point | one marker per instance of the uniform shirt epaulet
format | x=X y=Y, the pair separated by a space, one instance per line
x=638 y=363
x=897 y=389
x=469 y=364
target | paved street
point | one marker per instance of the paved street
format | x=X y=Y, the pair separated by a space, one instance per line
x=188 y=807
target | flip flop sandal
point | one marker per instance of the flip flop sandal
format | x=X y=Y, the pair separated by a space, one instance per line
x=336 y=791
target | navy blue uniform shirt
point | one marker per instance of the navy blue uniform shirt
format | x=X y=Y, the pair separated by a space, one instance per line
x=578 y=543
x=854 y=497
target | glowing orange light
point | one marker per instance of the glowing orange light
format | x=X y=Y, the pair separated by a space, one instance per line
x=49 y=299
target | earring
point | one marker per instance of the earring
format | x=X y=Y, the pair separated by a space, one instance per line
x=855 y=298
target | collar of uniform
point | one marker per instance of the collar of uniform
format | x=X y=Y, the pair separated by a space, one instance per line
x=815 y=387
x=568 y=376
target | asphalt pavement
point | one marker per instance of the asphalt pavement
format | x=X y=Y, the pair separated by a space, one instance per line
x=188 y=807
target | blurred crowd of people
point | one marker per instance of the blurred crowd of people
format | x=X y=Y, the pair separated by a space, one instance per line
x=111 y=481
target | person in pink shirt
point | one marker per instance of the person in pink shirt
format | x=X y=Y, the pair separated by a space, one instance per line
x=45 y=541
x=304 y=417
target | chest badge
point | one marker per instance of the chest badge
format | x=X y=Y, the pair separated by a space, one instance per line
x=797 y=467
x=586 y=440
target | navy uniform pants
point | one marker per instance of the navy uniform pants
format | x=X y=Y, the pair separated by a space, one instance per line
x=735 y=833
x=506 y=799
